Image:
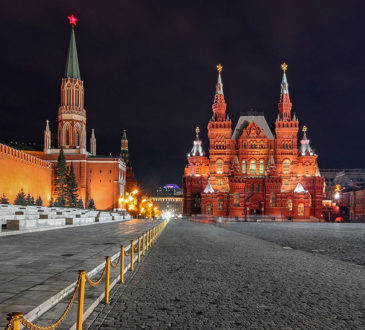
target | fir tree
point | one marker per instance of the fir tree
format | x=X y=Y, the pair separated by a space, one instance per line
x=72 y=188
x=51 y=202
x=30 y=199
x=61 y=179
x=80 y=203
x=39 y=201
x=90 y=204
x=20 y=198
x=4 y=199
x=60 y=202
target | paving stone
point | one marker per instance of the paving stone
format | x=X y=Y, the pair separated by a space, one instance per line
x=204 y=277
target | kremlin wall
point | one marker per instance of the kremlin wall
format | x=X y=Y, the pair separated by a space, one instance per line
x=104 y=179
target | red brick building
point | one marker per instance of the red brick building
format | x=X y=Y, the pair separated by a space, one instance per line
x=102 y=178
x=252 y=170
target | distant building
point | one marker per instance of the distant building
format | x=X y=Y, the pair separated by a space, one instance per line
x=344 y=177
x=131 y=182
x=169 y=198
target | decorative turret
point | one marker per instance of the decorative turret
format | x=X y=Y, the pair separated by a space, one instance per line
x=219 y=106
x=197 y=149
x=305 y=148
x=284 y=104
x=124 y=154
x=93 y=143
x=71 y=114
x=47 y=138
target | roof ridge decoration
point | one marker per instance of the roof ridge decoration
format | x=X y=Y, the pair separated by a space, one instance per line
x=208 y=189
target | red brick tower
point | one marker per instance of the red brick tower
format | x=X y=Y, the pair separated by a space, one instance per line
x=286 y=130
x=71 y=114
x=219 y=133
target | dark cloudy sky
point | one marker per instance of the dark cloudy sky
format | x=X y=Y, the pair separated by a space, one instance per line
x=149 y=66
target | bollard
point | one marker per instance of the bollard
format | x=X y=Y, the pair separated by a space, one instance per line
x=80 y=307
x=143 y=244
x=15 y=317
x=107 y=279
x=122 y=264
x=132 y=255
x=147 y=240
x=139 y=249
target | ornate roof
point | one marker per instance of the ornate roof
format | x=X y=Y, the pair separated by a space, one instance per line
x=72 y=64
x=245 y=120
x=197 y=149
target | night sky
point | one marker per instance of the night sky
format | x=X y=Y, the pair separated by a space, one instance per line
x=149 y=67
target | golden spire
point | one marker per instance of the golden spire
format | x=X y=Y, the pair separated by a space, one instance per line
x=304 y=129
x=197 y=130
x=219 y=68
x=284 y=67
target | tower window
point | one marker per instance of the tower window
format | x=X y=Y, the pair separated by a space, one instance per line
x=220 y=204
x=67 y=137
x=77 y=139
x=77 y=98
x=68 y=96
x=243 y=166
x=286 y=166
x=219 y=166
x=253 y=167
x=252 y=188
x=257 y=188
x=261 y=167
x=236 y=199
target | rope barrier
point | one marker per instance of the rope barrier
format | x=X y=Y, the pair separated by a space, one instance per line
x=96 y=283
x=16 y=319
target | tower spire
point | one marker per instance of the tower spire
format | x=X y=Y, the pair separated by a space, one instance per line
x=219 y=105
x=72 y=64
x=284 y=104
x=124 y=150
x=47 y=138
x=93 y=143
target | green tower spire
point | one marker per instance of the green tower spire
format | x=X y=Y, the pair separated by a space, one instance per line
x=72 y=64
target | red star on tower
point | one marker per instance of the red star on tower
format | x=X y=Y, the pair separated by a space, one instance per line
x=72 y=20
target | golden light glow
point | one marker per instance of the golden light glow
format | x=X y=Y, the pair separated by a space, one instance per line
x=134 y=192
x=284 y=67
x=219 y=68
x=304 y=129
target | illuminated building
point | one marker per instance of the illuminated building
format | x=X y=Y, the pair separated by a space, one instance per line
x=251 y=169
x=98 y=177
x=169 y=198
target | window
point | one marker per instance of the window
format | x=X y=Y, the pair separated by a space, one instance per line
x=257 y=188
x=252 y=188
x=77 y=98
x=273 y=200
x=219 y=182
x=261 y=167
x=67 y=136
x=220 y=204
x=301 y=209
x=243 y=166
x=100 y=171
x=286 y=166
x=253 y=167
x=77 y=139
x=306 y=170
x=68 y=96
x=209 y=208
x=236 y=199
x=219 y=166
x=110 y=171
x=197 y=170
x=289 y=205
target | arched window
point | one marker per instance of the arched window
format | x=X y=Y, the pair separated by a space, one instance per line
x=209 y=208
x=253 y=167
x=77 y=98
x=68 y=96
x=257 y=188
x=289 y=205
x=252 y=188
x=77 y=139
x=301 y=209
x=286 y=166
x=220 y=204
x=243 y=166
x=236 y=199
x=67 y=137
x=261 y=167
x=273 y=199
x=219 y=166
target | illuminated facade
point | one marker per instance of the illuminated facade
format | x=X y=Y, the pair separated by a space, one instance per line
x=252 y=170
x=98 y=177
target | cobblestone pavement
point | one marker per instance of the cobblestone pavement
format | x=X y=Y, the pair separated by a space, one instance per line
x=35 y=266
x=204 y=277
x=344 y=241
